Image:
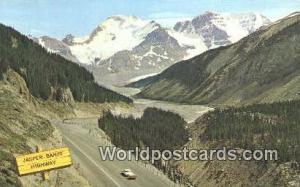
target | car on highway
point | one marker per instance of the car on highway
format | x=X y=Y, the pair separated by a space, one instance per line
x=128 y=174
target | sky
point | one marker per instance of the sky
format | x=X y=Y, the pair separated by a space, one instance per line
x=57 y=18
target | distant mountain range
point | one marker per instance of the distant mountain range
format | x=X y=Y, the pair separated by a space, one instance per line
x=123 y=47
x=55 y=46
x=262 y=67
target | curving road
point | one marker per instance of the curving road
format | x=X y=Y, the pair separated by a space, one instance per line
x=83 y=139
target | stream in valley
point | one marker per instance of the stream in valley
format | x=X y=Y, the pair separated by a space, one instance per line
x=188 y=112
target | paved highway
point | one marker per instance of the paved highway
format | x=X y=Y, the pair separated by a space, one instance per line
x=83 y=138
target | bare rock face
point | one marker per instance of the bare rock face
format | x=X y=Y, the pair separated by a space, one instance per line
x=18 y=82
x=62 y=95
x=157 y=52
x=53 y=45
x=68 y=39
x=217 y=29
x=203 y=26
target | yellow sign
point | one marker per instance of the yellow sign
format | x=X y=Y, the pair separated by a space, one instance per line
x=43 y=161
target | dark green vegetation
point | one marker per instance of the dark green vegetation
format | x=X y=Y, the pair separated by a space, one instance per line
x=262 y=67
x=143 y=82
x=43 y=71
x=258 y=126
x=156 y=129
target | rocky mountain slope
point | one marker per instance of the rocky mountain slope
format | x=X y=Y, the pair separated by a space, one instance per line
x=262 y=67
x=259 y=126
x=216 y=29
x=24 y=125
x=123 y=47
x=55 y=46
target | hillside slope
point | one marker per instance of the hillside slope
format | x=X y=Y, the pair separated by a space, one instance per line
x=262 y=67
x=258 y=126
x=23 y=126
x=36 y=87
x=47 y=74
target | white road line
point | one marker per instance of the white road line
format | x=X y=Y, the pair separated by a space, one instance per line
x=93 y=161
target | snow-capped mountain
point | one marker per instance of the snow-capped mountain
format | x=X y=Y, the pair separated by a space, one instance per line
x=157 y=51
x=115 y=34
x=211 y=30
x=53 y=45
x=123 y=47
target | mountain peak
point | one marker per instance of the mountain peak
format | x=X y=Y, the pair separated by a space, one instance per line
x=232 y=26
x=121 y=19
x=209 y=13
x=116 y=33
x=68 y=39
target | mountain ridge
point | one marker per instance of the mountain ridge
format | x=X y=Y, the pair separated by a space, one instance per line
x=106 y=46
x=259 y=68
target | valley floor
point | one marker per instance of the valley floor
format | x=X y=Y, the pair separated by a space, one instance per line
x=189 y=112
